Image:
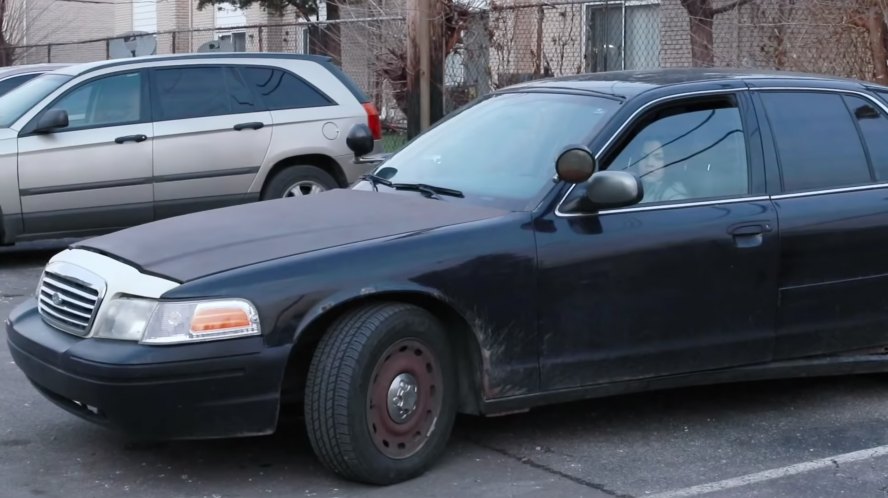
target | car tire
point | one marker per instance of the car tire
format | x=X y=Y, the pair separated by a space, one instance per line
x=296 y=181
x=369 y=356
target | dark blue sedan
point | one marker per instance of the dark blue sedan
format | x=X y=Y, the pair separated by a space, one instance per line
x=554 y=241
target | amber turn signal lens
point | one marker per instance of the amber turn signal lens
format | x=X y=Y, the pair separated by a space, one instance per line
x=215 y=319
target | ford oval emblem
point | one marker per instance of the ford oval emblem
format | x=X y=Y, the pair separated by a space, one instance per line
x=57 y=299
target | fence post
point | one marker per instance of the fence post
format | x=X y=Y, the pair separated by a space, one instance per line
x=107 y=48
x=49 y=52
x=260 y=39
x=174 y=43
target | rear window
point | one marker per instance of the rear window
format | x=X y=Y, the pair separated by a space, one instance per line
x=190 y=92
x=817 y=141
x=282 y=90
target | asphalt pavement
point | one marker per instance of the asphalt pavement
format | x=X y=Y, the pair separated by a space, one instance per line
x=808 y=438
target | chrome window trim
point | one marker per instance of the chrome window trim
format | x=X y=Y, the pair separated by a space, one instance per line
x=726 y=200
x=664 y=207
x=840 y=190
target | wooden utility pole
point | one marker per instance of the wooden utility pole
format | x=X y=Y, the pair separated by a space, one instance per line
x=425 y=65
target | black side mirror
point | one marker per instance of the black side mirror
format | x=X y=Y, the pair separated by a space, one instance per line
x=360 y=140
x=575 y=165
x=51 y=121
x=614 y=189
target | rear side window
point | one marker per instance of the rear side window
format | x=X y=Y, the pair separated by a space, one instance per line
x=191 y=92
x=817 y=141
x=874 y=129
x=282 y=90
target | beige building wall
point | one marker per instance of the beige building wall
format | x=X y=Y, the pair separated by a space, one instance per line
x=51 y=21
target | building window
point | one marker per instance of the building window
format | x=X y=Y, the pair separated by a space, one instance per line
x=237 y=40
x=622 y=35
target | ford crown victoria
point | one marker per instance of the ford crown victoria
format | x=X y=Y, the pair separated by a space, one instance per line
x=554 y=241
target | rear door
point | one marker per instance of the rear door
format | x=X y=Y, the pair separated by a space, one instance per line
x=308 y=118
x=831 y=152
x=211 y=137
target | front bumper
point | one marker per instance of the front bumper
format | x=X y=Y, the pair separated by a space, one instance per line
x=206 y=390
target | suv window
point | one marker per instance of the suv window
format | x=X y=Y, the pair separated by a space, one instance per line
x=191 y=92
x=242 y=99
x=108 y=101
x=688 y=151
x=282 y=90
x=818 y=146
x=874 y=128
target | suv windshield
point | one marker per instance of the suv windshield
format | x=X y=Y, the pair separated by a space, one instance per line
x=500 y=151
x=21 y=99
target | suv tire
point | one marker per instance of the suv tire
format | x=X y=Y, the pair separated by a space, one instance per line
x=297 y=181
x=369 y=358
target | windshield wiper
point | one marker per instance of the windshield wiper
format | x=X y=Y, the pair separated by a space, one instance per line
x=427 y=190
x=373 y=179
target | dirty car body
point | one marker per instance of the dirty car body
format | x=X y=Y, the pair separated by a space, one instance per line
x=729 y=266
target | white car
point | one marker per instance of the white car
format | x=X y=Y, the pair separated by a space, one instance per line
x=93 y=148
x=13 y=76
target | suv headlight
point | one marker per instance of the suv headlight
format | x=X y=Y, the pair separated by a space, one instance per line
x=157 y=322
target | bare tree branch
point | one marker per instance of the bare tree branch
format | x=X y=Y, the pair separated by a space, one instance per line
x=729 y=7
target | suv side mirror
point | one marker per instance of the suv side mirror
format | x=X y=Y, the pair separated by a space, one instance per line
x=614 y=189
x=575 y=165
x=360 y=140
x=51 y=121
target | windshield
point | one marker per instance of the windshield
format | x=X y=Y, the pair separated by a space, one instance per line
x=22 y=98
x=502 y=150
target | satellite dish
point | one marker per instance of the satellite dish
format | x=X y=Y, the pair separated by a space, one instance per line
x=217 y=46
x=132 y=44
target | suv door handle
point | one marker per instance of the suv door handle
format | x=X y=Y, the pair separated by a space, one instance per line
x=255 y=125
x=131 y=138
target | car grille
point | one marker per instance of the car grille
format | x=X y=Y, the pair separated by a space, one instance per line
x=68 y=298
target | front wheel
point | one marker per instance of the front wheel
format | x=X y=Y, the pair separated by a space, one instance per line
x=381 y=392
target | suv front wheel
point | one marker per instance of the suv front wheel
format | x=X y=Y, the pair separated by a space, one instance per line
x=298 y=181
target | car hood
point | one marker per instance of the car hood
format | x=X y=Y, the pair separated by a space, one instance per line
x=204 y=243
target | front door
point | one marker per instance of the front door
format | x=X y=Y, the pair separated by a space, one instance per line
x=95 y=174
x=211 y=137
x=683 y=281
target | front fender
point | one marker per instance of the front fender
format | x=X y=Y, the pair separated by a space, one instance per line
x=348 y=296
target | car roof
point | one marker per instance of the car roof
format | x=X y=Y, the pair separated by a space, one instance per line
x=31 y=68
x=630 y=83
x=78 y=69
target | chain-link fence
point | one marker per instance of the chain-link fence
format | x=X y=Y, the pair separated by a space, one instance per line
x=518 y=41
x=496 y=44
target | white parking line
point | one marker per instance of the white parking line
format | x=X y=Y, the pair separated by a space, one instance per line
x=768 y=475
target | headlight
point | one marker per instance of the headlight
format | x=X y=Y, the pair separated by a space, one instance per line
x=153 y=322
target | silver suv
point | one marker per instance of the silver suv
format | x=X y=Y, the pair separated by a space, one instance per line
x=92 y=148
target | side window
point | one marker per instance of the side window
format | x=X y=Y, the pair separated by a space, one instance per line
x=817 y=142
x=874 y=128
x=242 y=99
x=281 y=90
x=191 y=92
x=14 y=81
x=109 y=101
x=689 y=151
